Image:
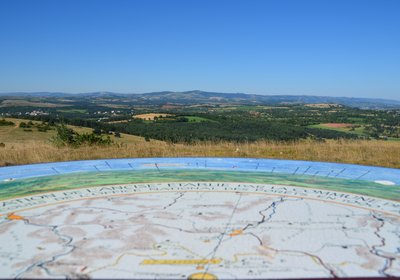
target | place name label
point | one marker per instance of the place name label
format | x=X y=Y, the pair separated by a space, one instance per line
x=16 y=204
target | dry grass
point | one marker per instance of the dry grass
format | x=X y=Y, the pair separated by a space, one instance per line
x=23 y=147
x=13 y=135
x=379 y=153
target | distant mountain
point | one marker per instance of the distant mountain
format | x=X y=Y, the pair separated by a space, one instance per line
x=34 y=94
x=241 y=98
x=203 y=97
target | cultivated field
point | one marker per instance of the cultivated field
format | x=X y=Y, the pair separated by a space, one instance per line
x=151 y=116
x=336 y=125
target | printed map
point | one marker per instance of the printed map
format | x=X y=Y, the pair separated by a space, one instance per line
x=197 y=229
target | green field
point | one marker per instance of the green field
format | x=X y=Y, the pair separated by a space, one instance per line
x=197 y=119
x=31 y=186
x=357 y=130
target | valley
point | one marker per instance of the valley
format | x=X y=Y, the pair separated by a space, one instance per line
x=306 y=131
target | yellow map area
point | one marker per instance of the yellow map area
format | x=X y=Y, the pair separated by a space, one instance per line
x=13 y=216
x=181 y=262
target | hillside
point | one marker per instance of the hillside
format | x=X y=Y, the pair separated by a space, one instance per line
x=24 y=147
x=12 y=136
x=192 y=97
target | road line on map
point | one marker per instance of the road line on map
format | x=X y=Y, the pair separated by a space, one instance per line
x=175 y=200
x=214 y=252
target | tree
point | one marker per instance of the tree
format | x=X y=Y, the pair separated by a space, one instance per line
x=97 y=131
x=3 y=122
x=65 y=136
x=68 y=137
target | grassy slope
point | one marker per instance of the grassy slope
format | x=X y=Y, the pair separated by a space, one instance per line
x=13 y=135
x=32 y=147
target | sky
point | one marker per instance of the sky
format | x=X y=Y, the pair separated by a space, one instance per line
x=324 y=47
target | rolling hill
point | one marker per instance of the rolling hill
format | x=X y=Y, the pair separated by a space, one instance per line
x=203 y=97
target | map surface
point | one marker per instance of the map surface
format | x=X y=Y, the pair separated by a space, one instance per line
x=177 y=220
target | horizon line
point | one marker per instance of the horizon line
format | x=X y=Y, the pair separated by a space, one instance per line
x=187 y=91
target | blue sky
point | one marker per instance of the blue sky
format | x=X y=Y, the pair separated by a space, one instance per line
x=337 y=48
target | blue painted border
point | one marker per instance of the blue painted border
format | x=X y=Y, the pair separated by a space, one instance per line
x=323 y=169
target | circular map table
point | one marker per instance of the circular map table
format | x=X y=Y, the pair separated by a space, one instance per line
x=199 y=218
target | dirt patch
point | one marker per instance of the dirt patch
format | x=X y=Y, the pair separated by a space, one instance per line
x=151 y=116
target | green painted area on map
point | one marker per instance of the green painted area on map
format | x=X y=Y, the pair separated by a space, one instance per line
x=37 y=185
